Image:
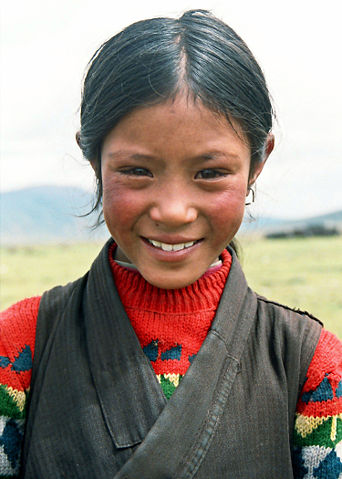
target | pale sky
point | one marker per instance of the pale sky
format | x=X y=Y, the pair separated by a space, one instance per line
x=46 y=45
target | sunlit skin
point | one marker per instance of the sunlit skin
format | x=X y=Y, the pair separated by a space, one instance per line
x=174 y=173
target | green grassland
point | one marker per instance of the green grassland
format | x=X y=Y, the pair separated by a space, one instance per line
x=302 y=273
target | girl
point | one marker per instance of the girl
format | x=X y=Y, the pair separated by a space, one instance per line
x=161 y=362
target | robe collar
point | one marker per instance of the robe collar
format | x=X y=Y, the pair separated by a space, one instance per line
x=133 y=404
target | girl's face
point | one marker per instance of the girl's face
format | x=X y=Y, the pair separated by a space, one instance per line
x=175 y=179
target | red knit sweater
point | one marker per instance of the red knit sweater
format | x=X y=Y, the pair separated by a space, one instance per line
x=171 y=326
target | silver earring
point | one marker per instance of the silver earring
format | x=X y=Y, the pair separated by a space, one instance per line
x=250 y=190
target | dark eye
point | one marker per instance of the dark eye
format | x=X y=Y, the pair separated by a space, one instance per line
x=209 y=174
x=136 y=171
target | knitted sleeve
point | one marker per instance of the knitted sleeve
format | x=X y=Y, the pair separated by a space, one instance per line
x=317 y=452
x=17 y=338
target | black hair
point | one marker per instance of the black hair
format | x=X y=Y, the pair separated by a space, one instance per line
x=152 y=60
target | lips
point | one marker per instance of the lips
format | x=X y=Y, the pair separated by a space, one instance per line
x=171 y=247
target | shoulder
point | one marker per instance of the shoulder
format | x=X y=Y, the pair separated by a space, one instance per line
x=290 y=325
x=288 y=321
x=55 y=300
x=279 y=309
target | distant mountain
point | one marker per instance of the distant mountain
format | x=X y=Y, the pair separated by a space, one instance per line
x=251 y=224
x=270 y=225
x=53 y=214
x=47 y=214
x=330 y=218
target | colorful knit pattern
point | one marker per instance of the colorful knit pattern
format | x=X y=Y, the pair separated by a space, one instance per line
x=171 y=325
x=17 y=335
x=317 y=449
x=172 y=358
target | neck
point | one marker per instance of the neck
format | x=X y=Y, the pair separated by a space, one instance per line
x=170 y=324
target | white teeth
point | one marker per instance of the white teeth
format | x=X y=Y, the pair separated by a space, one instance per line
x=155 y=243
x=171 y=247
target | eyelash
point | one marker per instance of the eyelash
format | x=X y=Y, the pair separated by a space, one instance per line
x=213 y=173
x=136 y=171
x=207 y=173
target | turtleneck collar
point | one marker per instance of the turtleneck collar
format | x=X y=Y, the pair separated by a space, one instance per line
x=203 y=294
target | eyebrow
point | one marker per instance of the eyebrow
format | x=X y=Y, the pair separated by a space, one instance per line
x=216 y=155
x=135 y=156
x=208 y=156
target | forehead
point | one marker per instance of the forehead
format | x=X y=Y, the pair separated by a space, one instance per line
x=179 y=123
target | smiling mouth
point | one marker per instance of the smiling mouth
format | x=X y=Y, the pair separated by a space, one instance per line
x=172 y=247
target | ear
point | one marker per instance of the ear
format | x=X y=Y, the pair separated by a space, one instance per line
x=260 y=166
x=78 y=138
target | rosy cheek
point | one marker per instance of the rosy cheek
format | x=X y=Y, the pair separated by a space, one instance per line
x=227 y=208
x=120 y=205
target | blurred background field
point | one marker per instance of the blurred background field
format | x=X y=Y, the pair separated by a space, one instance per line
x=304 y=273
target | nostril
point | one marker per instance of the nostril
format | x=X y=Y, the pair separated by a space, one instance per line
x=173 y=213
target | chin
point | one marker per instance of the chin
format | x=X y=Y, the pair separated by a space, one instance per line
x=169 y=282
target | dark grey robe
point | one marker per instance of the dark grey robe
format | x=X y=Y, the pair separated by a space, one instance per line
x=97 y=410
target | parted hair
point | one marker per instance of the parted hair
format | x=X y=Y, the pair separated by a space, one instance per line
x=153 y=60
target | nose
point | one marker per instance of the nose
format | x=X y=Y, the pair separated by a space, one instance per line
x=173 y=208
